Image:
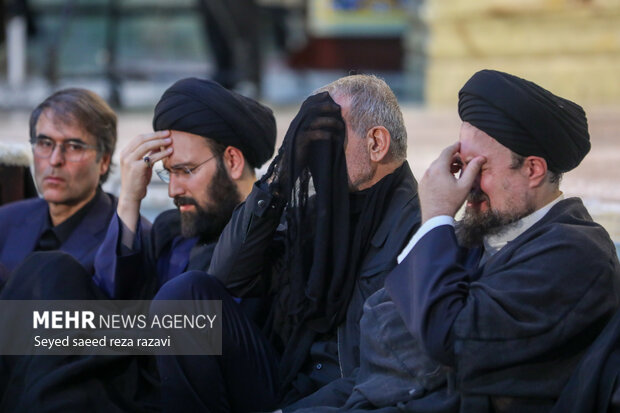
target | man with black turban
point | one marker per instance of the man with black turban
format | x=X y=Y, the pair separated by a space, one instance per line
x=209 y=140
x=509 y=298
x=317 y=235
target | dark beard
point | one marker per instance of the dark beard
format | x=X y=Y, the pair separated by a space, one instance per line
x=474 y=226
x=207 y=223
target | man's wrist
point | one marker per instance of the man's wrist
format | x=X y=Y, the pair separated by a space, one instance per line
x=128 y=211
x=430 y=213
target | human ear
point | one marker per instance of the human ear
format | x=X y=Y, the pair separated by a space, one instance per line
x=105 y=163
x=234 y=162
x=378 y=143
x=536 y=169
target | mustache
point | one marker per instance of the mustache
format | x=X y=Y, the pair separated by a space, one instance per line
x=53 y=172
x=476 y=196
x=184 y=200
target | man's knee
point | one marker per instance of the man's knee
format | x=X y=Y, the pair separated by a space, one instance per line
x=192 y=285
x=49 y=275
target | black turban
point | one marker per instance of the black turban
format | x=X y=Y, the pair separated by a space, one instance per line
x=205 y=108
x=526 y=118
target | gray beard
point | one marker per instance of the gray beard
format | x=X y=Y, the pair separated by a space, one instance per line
x=471 y=230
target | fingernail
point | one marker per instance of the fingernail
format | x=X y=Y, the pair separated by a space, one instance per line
x=168 y=140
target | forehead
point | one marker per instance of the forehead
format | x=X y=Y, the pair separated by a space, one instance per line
x=61 y=128
x=187 y=148
x=475 y=142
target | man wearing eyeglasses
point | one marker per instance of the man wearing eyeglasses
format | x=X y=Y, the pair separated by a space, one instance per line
x=73 y=135
x=209 y=140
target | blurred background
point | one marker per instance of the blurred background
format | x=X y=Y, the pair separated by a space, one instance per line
x=279 y=51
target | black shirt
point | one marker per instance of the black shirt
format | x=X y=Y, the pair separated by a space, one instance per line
x=52 y=237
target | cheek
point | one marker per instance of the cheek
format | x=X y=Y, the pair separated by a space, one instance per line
x=200 y=192
x=489 y=185
x=39 y=168
x=355 y=155
x=485 y=183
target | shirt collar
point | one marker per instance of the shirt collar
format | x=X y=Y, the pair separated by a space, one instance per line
x=493 y=243
x=64 y=230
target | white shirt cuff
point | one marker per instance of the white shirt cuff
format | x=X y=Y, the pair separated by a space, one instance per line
x=432 y=223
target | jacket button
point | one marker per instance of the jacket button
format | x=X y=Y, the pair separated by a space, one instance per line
x=319 y=366
x=261 y=203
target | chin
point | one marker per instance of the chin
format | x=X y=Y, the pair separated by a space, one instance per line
x=54 y=196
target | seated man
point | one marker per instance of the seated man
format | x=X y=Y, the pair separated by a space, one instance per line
x=73 y=135
x=349 y=202
x=210 y=141
x=512 y=296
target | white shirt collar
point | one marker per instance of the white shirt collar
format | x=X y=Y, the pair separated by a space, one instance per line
x=493 y=243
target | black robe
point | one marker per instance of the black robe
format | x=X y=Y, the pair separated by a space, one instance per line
x=513 y=329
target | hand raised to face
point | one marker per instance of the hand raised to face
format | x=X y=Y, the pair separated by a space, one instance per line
x=441 y=192
x=135 y=171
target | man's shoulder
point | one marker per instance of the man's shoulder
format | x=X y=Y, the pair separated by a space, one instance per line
x=22 y=207
x=571 y=218
x=405 y=196
x=402 y=216
x=568 y=230
x=108 y=200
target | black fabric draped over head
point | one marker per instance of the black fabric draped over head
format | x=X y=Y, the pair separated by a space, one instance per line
x=205 y=108
x=526 y=118
x=324 y=245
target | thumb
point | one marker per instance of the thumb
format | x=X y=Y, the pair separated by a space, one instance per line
x=471 y=171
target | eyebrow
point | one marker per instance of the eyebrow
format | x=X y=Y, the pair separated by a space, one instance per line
x=180 y=165
x=74 y=140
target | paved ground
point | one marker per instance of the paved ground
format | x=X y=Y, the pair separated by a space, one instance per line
x=596 y=180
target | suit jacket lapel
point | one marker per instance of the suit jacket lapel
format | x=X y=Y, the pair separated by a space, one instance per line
x=88 y=235
x=25 y=233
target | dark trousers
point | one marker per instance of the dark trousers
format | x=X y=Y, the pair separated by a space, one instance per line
x=243 y=379
x=69 y=383
x=232 y=29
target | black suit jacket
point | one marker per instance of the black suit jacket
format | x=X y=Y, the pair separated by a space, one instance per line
x=22 y=222
x=139 y=273
x=514 y=328
x=244 y=257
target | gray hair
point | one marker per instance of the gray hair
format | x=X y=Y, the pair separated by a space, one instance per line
x=372 y=103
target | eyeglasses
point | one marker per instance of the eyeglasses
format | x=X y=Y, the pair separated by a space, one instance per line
x=179 y=172
x=72 y=150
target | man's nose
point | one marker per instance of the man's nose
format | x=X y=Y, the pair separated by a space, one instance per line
x=57 y=157
x=175 y=187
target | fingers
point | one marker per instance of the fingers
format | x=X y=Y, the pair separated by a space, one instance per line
x=319 y=105
x=471 y=171
x=322 y=101
x=326 y=122
x=151 y=147
x=145 y=143
x=159 y=155
x=447 y=155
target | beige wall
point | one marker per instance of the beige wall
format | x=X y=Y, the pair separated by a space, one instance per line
x=571 y=47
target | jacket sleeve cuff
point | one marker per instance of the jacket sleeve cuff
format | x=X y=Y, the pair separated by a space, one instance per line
x=429 y=225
